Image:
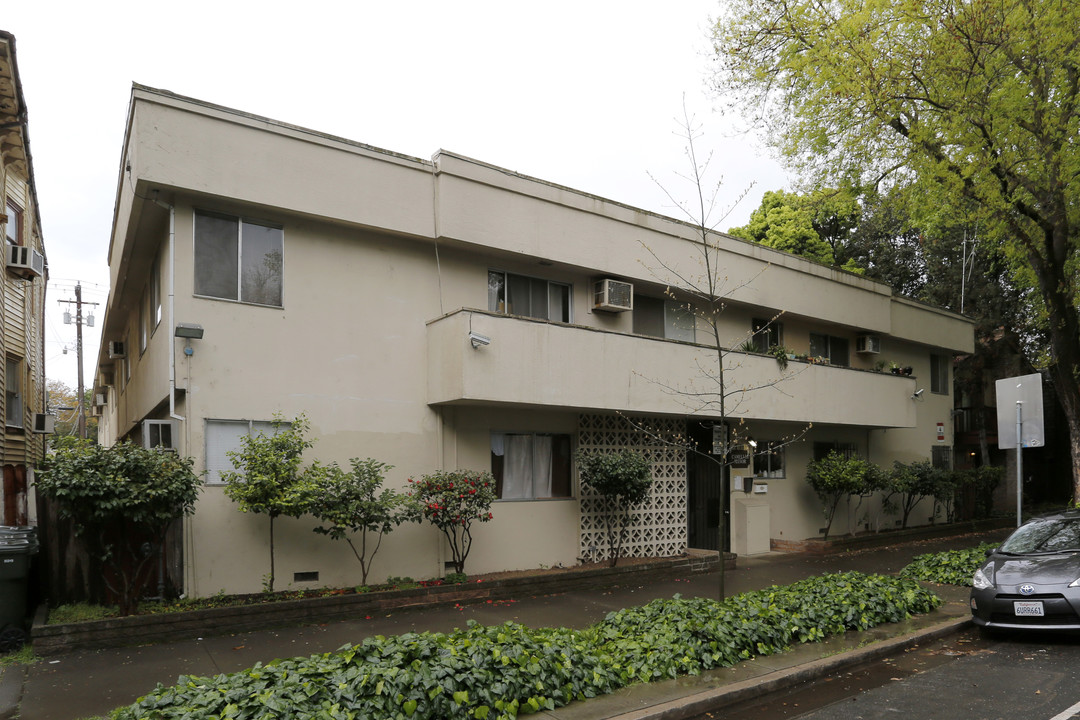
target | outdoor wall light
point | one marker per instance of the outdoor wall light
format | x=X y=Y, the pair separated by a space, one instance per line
x=192 y=331
x=917 y=394
x=477 y=340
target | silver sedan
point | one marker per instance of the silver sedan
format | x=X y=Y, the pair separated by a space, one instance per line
x=1032 y=580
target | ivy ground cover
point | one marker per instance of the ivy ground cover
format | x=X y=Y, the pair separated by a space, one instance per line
x=503 y=671
x=952 y=567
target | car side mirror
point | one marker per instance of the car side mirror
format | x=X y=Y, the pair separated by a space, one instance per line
x=991 y=551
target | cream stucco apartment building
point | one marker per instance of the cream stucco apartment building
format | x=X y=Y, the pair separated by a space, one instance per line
x=451 y=314
x=22 y=287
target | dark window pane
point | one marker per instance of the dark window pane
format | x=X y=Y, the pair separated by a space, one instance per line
x=216 y=256
x=648 y=316
x=838 y=351
x=559 y=302
x=261 y=255
x=560 y=466
x=517 y=295
x=819 y=345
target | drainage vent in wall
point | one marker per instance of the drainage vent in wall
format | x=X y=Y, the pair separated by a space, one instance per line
x=305 y=576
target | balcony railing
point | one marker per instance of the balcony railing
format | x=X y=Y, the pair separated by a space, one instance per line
x=536 y=363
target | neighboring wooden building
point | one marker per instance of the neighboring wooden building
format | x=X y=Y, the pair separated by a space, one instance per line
x=22 y=284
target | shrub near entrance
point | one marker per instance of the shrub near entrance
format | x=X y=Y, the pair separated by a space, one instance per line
x=452 y=502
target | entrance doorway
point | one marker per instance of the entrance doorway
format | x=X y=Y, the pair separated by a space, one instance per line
x=703 y=496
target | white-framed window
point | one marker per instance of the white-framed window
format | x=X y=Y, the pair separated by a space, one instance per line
x=14 y=225
x=833 y=349
x=769 y=459
x=13 y=406
x=238 y=259
x=766 y=334
x=144 y=328
x=664 y=318
x=512 y=294
x=155 y=294
x=939 y=374
x=223 y=437
x=530 y=466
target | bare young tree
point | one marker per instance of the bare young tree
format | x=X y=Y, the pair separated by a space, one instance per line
x=703 y=292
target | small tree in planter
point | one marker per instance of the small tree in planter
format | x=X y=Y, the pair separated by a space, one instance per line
x=623 y=479
x=268 y=479
x=913 y=482
x=452 y=502
x=834 y=477
x=118 y=499
x=352 y=503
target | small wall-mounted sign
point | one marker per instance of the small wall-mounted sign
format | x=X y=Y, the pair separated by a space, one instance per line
x=739 y=456
x=941 y=432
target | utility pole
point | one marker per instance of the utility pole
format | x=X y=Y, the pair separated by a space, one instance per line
x=78 y=301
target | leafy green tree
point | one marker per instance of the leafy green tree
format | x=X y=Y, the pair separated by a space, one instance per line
x=119 y=498
x=268 y=479
x=915 y=481
x=452 y=501
x=975 y=102
x=837 y=476
x=623 y=479
x=786 y=221
x=351 y=502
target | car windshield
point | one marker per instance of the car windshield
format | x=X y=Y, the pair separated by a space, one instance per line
x=1053 y=535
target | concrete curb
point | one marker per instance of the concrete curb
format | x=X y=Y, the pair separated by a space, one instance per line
x=11 y=686
x=719 y=698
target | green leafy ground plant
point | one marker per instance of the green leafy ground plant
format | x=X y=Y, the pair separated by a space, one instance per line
x=508 y=670
x=953 y=567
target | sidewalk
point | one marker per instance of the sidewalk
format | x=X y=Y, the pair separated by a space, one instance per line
x=85 y=684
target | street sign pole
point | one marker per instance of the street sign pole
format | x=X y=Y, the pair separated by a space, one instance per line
x=1019 y=460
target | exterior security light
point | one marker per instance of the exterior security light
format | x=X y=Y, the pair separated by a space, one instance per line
x=917 y=394
x=192 y=331
x=477 y=340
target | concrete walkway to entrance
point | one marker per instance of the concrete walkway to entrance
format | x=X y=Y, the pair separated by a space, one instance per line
x=85 y=684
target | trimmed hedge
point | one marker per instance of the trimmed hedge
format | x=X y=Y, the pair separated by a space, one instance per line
x=953 y=567
x=506 y=670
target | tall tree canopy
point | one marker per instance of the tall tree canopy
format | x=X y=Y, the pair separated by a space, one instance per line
x=814 y=226
x=976 y=100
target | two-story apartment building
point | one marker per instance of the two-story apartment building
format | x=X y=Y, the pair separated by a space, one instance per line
x=22 y=287
x=451 y=314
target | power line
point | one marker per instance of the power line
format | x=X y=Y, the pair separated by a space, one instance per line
x=78 y=302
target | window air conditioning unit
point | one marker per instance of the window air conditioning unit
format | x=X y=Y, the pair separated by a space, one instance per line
x=100 y=399
x=25 y=262
x=613 y=295
x=44 y=424
x=117 y=351
x=868 y=344
x=158 y=433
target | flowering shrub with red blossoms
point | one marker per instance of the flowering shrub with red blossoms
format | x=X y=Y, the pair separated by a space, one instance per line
x=452 y=502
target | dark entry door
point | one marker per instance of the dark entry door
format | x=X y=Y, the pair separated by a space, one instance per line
x=703 y=474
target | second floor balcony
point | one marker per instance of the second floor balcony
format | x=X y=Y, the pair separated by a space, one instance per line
x=522 y=362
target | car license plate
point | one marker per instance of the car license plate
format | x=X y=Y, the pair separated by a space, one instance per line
x=1032 y=608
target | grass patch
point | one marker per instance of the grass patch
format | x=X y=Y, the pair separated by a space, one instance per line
x=23 y=656
x=80 y=612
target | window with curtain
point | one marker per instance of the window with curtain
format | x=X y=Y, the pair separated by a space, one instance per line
x=530 y=297
x=13 y=227
x=530 y=466
x=668 y=319
x=223 y=437
x=14 y=395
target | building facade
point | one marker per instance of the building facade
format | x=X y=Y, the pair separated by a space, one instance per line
x=22 y=285
x=450 y=314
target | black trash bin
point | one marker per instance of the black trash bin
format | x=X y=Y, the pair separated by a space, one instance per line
x=17 y=544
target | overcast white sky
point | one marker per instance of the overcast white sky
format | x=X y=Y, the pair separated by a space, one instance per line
x=585 y=94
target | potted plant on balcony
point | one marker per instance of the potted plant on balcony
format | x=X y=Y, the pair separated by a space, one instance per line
x=780 y=353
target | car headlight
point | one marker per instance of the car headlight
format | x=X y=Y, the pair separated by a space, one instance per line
x=984 y=578
x=1075 y=583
